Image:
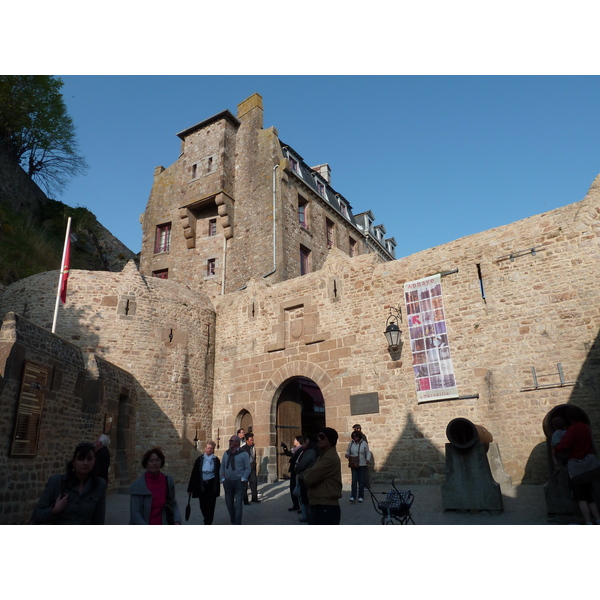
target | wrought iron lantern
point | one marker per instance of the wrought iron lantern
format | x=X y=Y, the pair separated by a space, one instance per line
x=392 y=332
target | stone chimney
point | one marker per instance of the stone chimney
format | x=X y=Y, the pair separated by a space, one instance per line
x=324 y=171
x=251 y=107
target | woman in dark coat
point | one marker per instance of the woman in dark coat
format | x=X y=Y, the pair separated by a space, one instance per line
x=204 y=482
x=76 y=498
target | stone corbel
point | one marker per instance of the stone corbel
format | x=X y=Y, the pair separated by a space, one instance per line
x=188 y=222
x=225 y=206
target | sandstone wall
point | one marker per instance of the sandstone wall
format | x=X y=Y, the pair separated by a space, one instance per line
x=159 y=331
x=81 y=390
x=539 y=309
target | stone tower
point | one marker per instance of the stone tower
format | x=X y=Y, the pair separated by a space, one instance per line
x=239 y=204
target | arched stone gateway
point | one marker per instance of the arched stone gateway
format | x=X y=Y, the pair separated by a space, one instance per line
x=300 y=411
x=297 y=393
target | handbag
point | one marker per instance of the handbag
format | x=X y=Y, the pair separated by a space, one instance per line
x=583 y=470
x=354 y=461
x=169 y=508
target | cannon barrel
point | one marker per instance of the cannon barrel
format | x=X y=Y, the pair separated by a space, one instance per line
x=463 y=434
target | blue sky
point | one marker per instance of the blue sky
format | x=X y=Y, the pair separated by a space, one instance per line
x=435 y=158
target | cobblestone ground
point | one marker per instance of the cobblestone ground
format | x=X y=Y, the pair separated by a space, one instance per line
x=524 y=506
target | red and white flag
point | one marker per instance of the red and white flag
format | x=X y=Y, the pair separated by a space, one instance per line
x=65 y=271
x=61 y=294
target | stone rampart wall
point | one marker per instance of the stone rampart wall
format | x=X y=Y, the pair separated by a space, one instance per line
x=81 y=390
x=539 y=309
x=158 y=331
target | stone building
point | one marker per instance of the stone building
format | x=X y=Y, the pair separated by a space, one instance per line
x=261 y=344
x=238 y=203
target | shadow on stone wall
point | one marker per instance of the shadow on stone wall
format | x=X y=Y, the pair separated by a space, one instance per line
x=540 y=466
x=412 y=459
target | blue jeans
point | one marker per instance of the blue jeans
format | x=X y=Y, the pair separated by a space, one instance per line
x=359 y=478
x=235 y=491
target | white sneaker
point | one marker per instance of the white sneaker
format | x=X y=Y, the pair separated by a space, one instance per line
x=351 y=498
x=360 y=499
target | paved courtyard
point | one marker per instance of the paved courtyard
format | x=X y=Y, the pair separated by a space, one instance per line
x=524 y=506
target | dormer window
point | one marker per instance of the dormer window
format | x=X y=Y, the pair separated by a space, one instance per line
x=294 y=166
x=344 y=209
x=320 y=188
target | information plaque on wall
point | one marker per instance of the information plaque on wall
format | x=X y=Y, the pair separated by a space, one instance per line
x=29 y=410
x=362 y=404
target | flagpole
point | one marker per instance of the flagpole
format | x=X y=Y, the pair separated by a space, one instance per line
x=62 y=267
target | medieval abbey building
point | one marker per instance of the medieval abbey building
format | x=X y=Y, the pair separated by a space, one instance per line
x=261 y=302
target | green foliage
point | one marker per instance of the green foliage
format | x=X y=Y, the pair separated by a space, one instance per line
x=34 y=244
x=37 y=130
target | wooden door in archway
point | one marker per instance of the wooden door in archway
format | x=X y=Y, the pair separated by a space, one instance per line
x=289 y=425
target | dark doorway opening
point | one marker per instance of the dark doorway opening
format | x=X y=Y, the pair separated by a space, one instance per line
x=300 y=411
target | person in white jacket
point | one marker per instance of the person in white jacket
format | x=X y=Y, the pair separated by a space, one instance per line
x=359 y=447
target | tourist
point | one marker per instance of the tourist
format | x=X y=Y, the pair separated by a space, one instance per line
x=252 y=478
x=293 y=454
x=324 y=481
x=578 y=441
x=204 y=482
x=102 y=457
x=358 y=449
x=153 y=499
x=305 y=458
x=77 y=497
x=234 y=472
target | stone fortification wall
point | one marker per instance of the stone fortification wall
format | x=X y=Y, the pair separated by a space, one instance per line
x=159 y=331
x=536 y=310
x=81 y=390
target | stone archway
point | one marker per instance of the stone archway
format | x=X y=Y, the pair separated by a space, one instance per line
x=277 y=384
x=300 y=411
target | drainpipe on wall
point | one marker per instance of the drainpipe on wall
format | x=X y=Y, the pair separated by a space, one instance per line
x=274 y=224
x=224 y=264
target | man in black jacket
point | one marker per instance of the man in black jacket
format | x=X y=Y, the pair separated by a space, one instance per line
x=252 y=479
x=204 y=482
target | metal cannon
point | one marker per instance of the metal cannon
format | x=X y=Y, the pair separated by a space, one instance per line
x=463 y=434
x=469 y=483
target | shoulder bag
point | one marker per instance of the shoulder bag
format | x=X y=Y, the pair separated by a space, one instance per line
x=354 y=461
x=583 y=470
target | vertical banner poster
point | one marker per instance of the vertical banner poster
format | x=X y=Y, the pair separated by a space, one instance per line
x=432 y=365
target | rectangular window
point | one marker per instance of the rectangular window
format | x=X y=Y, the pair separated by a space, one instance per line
x=304 y=260
x=211 y=267
x=162 y=274
x=294 y=165
x=162 y=243
x=352 y=247
x=212 y=227
x=330 y=232
x=344 y=209
x=320 y=188
x=194 y=171
x=303 y=212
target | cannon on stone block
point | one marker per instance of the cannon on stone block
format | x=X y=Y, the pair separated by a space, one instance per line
x=469 y=483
